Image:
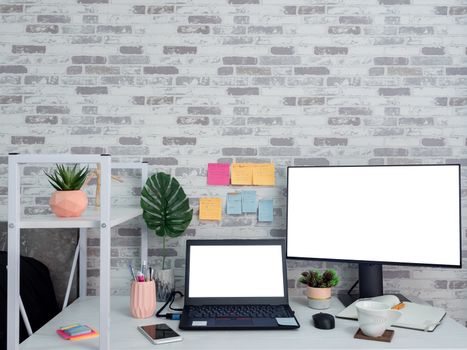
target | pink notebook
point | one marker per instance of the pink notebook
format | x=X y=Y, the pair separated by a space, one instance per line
x=93 y=334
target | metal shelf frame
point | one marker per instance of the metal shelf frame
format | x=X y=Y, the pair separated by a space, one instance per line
x=103 y=221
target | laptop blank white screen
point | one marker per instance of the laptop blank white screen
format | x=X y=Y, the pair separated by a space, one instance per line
x=218 y=271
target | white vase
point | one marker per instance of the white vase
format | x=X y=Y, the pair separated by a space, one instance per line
x=165 y=284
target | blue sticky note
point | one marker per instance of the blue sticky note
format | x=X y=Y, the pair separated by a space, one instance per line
x=234 y=203
x=78 y=330
x=249 y=201
x=265 y=210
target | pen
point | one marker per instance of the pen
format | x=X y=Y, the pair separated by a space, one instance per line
x=132 y=272
x=150 y=273
x=398 y=306
x=143 y=270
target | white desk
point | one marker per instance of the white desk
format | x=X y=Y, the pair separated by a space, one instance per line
x=124 y=335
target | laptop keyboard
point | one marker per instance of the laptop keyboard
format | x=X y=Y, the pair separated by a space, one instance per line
x=239 y=311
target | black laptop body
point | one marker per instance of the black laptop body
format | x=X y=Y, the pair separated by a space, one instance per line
x=236 y=285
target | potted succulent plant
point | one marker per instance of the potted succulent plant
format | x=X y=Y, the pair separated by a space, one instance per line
x=319 y=287
x=69 y=200
x=166 y=211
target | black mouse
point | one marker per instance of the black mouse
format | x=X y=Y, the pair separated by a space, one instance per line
x=324 y=321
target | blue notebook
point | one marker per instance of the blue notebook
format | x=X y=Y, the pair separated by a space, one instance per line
x=77 y=330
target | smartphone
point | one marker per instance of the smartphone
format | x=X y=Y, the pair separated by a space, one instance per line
x=159 y=333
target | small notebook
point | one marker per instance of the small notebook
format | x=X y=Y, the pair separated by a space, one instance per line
x=78 y=331
x=414 y=316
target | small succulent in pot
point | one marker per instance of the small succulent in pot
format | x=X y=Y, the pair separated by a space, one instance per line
x=69 y=200
x=315 y=279
x=319 y=287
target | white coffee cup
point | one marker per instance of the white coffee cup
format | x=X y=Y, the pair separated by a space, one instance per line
x=375 y=317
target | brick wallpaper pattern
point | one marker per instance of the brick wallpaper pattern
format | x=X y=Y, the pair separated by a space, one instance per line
x=185 y=83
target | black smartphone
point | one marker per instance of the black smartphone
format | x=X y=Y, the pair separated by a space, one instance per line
x=160 y=333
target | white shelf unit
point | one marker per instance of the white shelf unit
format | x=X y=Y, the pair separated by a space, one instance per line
x=103 y=218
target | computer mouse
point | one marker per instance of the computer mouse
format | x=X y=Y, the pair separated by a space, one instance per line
x=323 y=320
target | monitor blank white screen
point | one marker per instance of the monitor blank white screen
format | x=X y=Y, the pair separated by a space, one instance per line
x=399 y=214
x=236 y=271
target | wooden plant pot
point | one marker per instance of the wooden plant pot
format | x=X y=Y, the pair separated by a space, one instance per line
x=318 y=293
x=68 y=203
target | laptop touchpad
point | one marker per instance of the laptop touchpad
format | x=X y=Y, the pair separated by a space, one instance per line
x=233 y=322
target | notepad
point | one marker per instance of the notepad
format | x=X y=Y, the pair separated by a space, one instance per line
x=263 y=174
x=241 y=174
x=249 y=201
x=75 y=332
x=414 y=316
x=265 y=210
x=210 y=208
x=93 y=334
x=219 y=174
x=234 y=203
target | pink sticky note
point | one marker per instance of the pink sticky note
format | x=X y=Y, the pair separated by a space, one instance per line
x=219 y=174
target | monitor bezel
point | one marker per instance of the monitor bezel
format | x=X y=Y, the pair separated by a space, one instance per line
x=238 y=300
x=356 y=261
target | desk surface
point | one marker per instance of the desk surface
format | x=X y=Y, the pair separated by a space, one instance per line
x=124 y=335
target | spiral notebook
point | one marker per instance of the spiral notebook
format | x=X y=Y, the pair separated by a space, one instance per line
x=414 y=316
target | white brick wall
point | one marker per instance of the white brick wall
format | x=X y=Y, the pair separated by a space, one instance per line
x=185 y=83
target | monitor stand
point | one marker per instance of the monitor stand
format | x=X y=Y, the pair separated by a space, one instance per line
x=370 y=277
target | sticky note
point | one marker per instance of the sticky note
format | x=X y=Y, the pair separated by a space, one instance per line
x=219 y=174
x=263 y=174
x=69 y=326
x=265 y=211
x=78 y=330
x=234 y=203
x=241 y=174
x=249 y=201
x=210 y=208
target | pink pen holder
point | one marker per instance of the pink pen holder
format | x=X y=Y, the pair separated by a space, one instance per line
x=143 y=299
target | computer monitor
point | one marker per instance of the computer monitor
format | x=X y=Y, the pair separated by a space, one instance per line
x=374 y=215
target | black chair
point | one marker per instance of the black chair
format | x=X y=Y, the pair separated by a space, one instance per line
x=37 y=294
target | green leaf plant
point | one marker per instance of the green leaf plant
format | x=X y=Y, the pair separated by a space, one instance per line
x=166 y=208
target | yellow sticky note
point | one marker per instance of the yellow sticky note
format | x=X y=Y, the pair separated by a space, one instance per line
x=263 y=175
x=241 y=174
x=210 y=208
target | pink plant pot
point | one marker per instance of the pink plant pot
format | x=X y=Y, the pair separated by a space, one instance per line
x=143 y=299
x=68 y=203
x=318 y=293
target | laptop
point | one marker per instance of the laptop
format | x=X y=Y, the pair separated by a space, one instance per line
x=236 y=284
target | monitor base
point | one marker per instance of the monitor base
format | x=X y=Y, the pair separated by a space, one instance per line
x=347 y=299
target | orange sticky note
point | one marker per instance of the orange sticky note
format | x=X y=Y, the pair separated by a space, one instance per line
x=210 y=208
x=263 y=175
x=241 y=174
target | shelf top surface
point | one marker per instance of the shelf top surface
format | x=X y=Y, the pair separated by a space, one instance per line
x=89 y=219
x=124 y=335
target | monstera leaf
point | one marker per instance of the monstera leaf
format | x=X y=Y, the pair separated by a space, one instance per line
x=166 y=209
